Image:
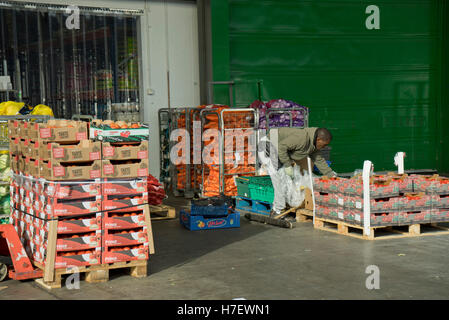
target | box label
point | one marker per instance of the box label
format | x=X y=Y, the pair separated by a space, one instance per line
x=108 y=169
x=95 y=174
x=142 y=172
x=81 y=136
x=142 y=154
x=58 y=153
x=45 y=133
x=94 y=155
x=108 y=151
x=59 y=171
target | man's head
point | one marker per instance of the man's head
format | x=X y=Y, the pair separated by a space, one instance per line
x=323 y=138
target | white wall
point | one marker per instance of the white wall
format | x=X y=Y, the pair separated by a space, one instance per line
x=171 y=47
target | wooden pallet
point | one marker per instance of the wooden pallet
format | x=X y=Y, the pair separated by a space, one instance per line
x=381 y=232
x=162 y=212
x=95 y=273
x=304 y=215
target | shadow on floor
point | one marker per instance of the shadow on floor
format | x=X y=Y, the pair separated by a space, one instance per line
x=175 y=245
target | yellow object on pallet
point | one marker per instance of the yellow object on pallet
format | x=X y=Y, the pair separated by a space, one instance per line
x=10 y=108
x=42 y=109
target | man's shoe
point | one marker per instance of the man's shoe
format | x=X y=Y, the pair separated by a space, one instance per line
x=274 y=213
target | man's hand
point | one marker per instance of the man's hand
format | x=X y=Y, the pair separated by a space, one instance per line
x=289 y=171
x=333 y=174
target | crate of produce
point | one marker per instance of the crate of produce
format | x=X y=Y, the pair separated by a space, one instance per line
x=119 y=131
x=128 y=253
x=125 y=150
x=116 y=220
x=58 y=131
x=125 y=168
x=70 y=170
x=124 y=202
x=84 y=150
x=433 y=185
x=76 y=242
x=78 y=258
x=79 y=225
x=125 y=237
x=124 y=186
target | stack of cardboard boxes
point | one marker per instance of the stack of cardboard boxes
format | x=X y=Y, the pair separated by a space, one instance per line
x=96 y=191
x=394 y=199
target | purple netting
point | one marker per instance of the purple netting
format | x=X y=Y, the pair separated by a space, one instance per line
x=279 y=119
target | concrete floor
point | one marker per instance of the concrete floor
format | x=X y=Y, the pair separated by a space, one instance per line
x=259 y=261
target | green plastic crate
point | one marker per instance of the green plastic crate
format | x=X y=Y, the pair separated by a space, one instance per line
x=261 y=189
x=243 y=186
x=262 y=194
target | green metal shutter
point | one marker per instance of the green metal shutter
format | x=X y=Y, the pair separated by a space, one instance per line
x=378 y=91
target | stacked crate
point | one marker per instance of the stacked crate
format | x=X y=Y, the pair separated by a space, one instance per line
x=126 y=233
x=68 y=192
x=78 y=240
x=394 y=199
x=64 y=189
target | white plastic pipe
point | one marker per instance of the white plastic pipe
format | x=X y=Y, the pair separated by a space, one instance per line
x=399 y=161
x=367 y=166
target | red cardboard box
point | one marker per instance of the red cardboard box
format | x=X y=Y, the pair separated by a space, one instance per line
x=125 y=238
x=79 y=242
x=52 y=206
x=78 y=259
x=118 y=220
x=124 y=186
x=111 y=255
x=127 y=204
x=72 y=189
x=79 y=225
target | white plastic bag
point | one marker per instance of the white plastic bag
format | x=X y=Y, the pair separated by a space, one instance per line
x=289 y=190
x=296 y=187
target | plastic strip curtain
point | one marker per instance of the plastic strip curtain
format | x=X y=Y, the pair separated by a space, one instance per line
x=69 y=69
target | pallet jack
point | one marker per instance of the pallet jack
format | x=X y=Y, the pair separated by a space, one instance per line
x=275 y=221
x=280 y=220
x=10 y=245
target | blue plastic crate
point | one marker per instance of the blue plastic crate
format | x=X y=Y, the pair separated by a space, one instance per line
x=214 y=206
x=252 y=205
x=193 y=223
x=209 y=210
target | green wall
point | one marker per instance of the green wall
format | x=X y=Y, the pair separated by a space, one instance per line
x=378 y=91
